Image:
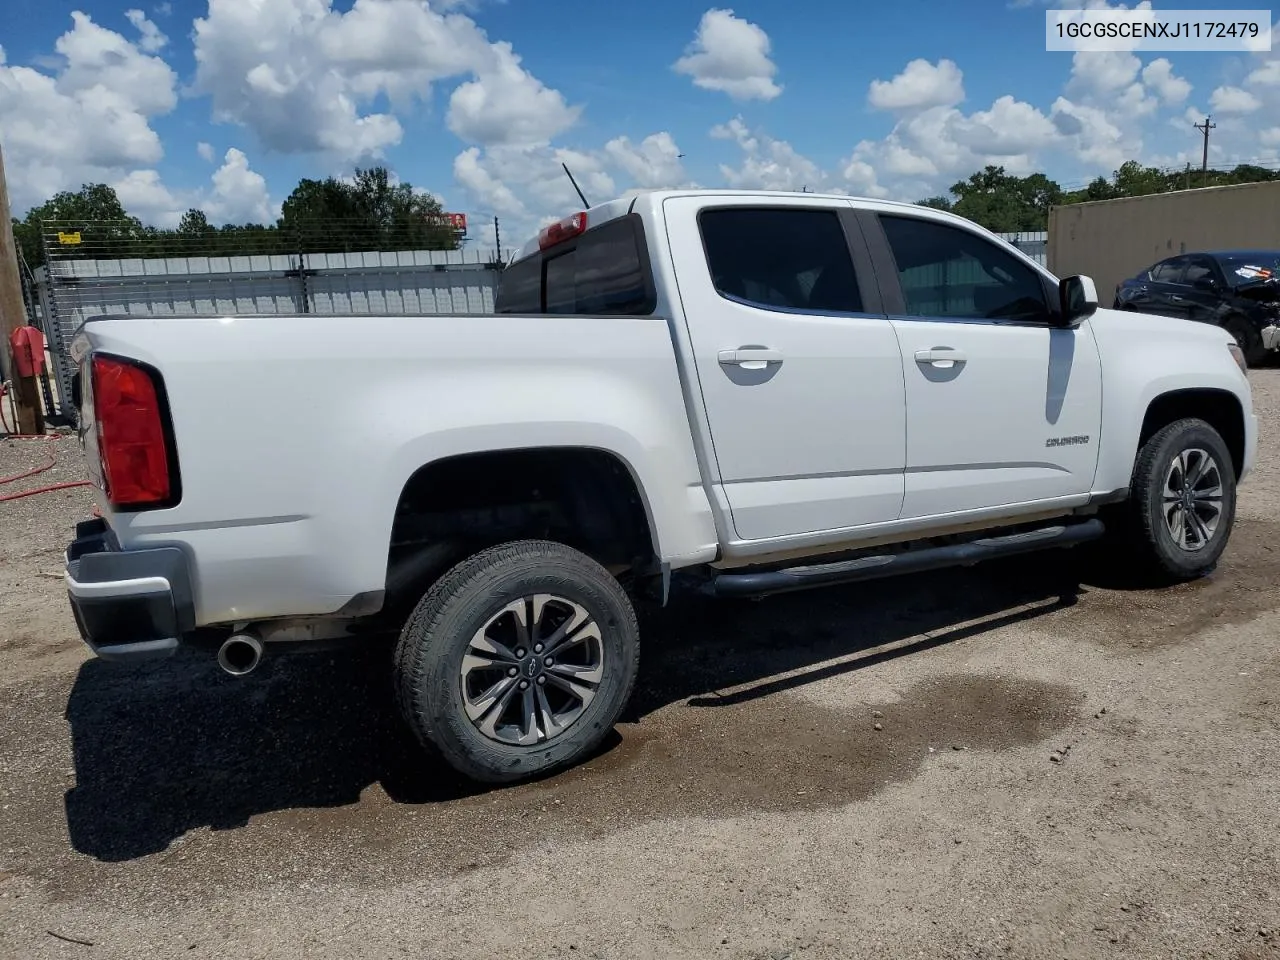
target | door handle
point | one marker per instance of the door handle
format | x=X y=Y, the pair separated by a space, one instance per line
x=757 y=356
x=1175 y=298
x=940 y=356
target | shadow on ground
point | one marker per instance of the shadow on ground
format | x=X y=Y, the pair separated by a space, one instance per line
x=164 y=748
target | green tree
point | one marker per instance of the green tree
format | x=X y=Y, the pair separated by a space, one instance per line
x=368 y=213
x=94 y=212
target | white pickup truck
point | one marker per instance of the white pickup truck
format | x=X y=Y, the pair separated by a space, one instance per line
x=768 y=391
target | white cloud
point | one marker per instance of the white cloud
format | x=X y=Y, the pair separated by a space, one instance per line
x=730 y=55
x=1233 y=100
x=152 y=39
x=767 y=164
x=1159 y=76
x=239 y=193
x=1270 y=137
x=654 y=162
x=918 y=87
x=145 y=196
x=205 y=151
x=506 y=104
x=1267 y=75
x=235 y=194
x=306 y=78
x=88 y=120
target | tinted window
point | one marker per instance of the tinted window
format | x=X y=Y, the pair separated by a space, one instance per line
x=520 y=287
x=1170 y=271
x=602 y=272
x=946 y=271
x=1197 y=270
x=790 y=259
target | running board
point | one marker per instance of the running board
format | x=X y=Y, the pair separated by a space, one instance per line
x=892 y=565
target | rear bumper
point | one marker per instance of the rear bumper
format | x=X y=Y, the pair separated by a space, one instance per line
x=128 y=604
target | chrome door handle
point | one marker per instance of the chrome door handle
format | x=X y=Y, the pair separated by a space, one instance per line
x=940 y=356
x=758 y=357
x=1175 y=298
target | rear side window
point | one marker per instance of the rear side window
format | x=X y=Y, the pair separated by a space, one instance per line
x=603 y=272
x=785 y=258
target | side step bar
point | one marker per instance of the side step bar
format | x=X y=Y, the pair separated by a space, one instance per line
x=892 y=565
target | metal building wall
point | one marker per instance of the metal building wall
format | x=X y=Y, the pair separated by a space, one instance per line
x=1110 y=240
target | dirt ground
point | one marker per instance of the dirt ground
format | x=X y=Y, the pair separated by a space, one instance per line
x=1027 y=759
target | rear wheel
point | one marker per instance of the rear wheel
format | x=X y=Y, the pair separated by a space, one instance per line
x=518 y=661
x=1183 y=499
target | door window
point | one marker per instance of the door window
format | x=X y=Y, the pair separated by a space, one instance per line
x=947 y=271
x=789 y=259
x=1170 y=271
x=1198 y=268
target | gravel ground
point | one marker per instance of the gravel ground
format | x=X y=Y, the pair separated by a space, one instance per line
x=1026 y=759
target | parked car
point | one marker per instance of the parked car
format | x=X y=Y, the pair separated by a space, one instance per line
x=1237 y=290
x=763 y=391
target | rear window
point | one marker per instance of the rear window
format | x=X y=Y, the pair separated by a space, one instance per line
x=603 y=272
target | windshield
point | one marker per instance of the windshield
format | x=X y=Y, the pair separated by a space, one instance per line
x=1251 y=265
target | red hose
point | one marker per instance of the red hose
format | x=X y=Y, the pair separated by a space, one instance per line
x=56 y=486
x=51 y=437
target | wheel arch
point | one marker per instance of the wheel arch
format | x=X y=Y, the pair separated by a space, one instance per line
x=1221 y=409
x=587 y=497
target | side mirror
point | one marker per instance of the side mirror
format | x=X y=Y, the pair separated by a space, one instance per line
x=1078 y=299
x=1205 y=283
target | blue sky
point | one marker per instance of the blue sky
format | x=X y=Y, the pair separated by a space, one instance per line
x=224 y=104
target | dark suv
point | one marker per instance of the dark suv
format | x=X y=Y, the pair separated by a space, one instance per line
x=1239 y=290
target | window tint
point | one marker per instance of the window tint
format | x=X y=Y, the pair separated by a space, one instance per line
x=520 y=287
x=1197 y=270
x=1170 y=271
x=602 y=272
x=780 y=258
x=947 y=271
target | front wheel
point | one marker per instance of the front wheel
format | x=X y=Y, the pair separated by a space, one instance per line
x=1248 y=339
x=1183 y=501
x=518 y=661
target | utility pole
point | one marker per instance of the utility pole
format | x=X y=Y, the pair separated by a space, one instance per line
x=1188 y=175
x=1204 y=164
x=497 y=239
x=13 y=314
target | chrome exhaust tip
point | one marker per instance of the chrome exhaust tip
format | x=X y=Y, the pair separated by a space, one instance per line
x=240 y=654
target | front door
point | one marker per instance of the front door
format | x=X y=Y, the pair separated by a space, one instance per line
x=799 y=370
x=1002 y=407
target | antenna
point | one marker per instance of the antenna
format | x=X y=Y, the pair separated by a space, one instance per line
x=585 y=205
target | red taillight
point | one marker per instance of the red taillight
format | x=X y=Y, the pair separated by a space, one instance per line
x=131 y=434
x=562 y=230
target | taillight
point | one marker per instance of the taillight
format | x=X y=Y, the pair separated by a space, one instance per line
x=132 y=444
x=562 y=230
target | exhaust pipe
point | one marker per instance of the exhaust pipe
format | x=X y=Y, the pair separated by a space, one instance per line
x=240 y=654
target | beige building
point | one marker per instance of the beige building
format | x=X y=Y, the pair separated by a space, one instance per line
x=1110 y=240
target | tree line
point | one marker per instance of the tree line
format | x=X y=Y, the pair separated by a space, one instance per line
x=1004 y=203
x=369 y=212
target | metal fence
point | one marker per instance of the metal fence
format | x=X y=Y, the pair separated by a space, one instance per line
x=99 y=269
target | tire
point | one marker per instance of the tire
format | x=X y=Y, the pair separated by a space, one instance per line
x=1145 y=530
x=439 y=667
x=1248 y=339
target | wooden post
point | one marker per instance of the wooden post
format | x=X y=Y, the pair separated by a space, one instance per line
x=13 y=314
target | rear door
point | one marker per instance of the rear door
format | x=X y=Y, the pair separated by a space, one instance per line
x=799 y=368
x=1202 y=283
